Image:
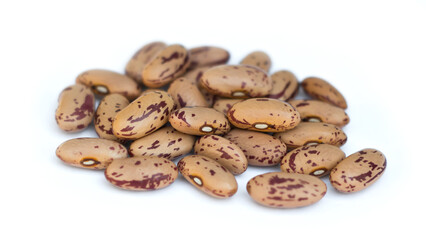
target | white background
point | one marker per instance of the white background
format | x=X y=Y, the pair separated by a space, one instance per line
x=372 y=51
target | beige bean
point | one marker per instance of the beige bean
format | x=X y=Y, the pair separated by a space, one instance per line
x=103 y=82
x=322 y=90
x=199 y=121
x=284 y=85
x=168 y=64
x=208 y=56
x=358 y=171
x=186 y=94
x=143 y=116
x=107 y=109
x=75 y=109
x=309 y=133
x=224 y=104
x=208 y=176
x=236 y=81
x=92 y=153
x=260 y=149
x=194 y=75
x=223 y=151
x=286 y=190
x=316 y=160
x=166 y=143
x=263 y=114
x=141 y=173
x=318 y=111
x=141 y=58
x=258 y=59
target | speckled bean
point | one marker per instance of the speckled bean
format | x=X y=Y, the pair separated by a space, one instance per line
x=224 y=104
x=258 y=59
x=207 y=56
x=316 y=160
x=143 y=116
x=199 y=121
x=284 y=85
x=358 y=171
x=75 y=109
x=318 y=111
x=310 y=133
x=168 y=64
x=186 y=94
x=208 y=176
x=322 y=90
x=194 y=75
x=141 y=173
x=103 y=82
x=223 y=151
x=236 y=81
x=260 y=149
x=263 y=114
x=286 y=190
x=105 y=113
x=92 y=153
x=141 y=58
x=166 y=143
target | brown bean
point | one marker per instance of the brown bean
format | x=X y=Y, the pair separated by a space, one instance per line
x=316 y=160
x=286 y=190
x=194 y=75
x=322 y=90
x=199 y=121
x=260 y=149
x=284 y=85
x=358 y=171
x=166 y=143
x=258 y=59
x=186 y=94
x=143 y=116
x=223 y=151
x=103 y=82
x=141 y=58
x=208 y=176
x=75 y=109
x=224 y=104
x=317 y=111
x=263 y=114
x=168 y=64
x=92 y=153
x=107 y=109
x=207 y=56
x=141 y=173
x=236 y=81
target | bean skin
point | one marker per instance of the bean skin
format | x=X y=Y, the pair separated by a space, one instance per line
x=285 y=85
x=258 y=59
x=322 y=90
x=207 y=56
x=105 y=113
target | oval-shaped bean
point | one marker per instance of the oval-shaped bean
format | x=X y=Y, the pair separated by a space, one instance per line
x=208 y=176
x=75 y=109
x=143 y=116
x=358 y=171
x=141 y=173
x=258 y=59
x=141 y=58
x=260 y=149
x=286 y=190
x=310 y=133
x=236 y=81
x=92 y=153
x=194 y=75
x=223 y=151
x=207 y=56
x=322 y=90
x=166 y=143
x=264 y=115
x=317 y=111
x=316 y=160
x=168 y=64
x=199 y=121
x=224 y=104
x=107 y=109
x=103 y=82
x=284 y=85
x=186 y=94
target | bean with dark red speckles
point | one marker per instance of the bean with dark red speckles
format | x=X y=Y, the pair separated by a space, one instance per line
x=258 y=59
x=141 y=173
x=75 y=109
x=92 y=153
x=358 y=171
x=224 y=104
x=284 y=85
x=286 y=190
x=208 y=175
x=105 y=113
x=207 y=56
x=322 y=90
x=186 y=94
